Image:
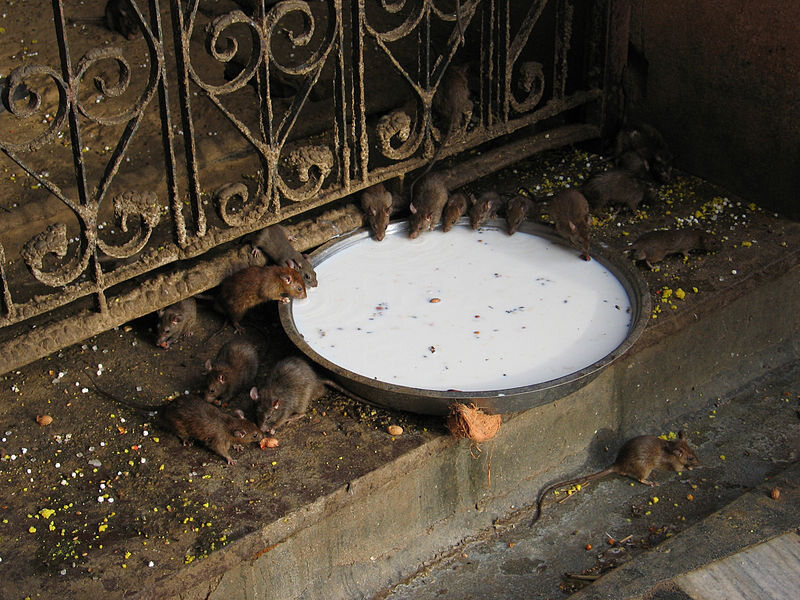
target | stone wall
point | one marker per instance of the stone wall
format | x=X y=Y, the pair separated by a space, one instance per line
x=721 y=80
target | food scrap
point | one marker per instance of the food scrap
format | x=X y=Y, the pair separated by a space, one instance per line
x=268 y=442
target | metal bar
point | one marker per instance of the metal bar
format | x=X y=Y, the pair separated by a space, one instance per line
x=181 y=33
x=418 y=42
x=167 y=137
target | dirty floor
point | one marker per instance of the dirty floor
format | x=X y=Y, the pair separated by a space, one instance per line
x=743 y=442
x=101 y=491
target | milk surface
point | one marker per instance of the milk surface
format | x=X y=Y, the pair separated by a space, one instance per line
x=463 y=310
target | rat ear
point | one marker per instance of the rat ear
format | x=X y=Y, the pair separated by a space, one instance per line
x=238 y=433
x=373 y=211
x=572 y=227
x=221 y=377
x=254 y=393
x=276 y=404
x=412 y=208
x=287 y=279
x=239 y=413
x=208 y=365
x=160 y=312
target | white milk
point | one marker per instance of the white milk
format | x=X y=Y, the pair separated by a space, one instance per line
x=513 y=310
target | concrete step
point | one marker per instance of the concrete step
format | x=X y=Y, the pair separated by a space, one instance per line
x=689 y=521
x=749 y=549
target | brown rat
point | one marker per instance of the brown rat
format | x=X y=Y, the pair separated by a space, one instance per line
x=292 y=385
x=234 y=368
x=192 y=418
x=517 y=209
x=175 y=321
x=619 y=187
x=452 y=103
x=633 y=163
x=484 y=208
x=427 y=206
x=570 y=213
x=454 y=209
x=647 y=142
x=118 y=17
x=653 y=246
x=274 y=242
x=637 y=458
x=253 y=285
x=376 y=202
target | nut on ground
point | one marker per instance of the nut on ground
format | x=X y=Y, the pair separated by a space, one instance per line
x=268 y=442
x=394 y=430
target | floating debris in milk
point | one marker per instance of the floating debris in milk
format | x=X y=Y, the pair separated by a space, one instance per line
x=441 y=312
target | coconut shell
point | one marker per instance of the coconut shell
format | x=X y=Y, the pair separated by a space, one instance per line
x=472 y=423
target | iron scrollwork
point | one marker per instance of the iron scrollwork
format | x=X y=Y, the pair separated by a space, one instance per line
x=304 y=47
x=223 y=195
x=29 y=104
x=144 y=207
x=53 y=241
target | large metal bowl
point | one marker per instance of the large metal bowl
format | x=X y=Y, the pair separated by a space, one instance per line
x=435 y=402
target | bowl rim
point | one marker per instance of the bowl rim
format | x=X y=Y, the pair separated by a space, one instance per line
x=623 y=269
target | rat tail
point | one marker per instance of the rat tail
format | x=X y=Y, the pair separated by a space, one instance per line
x=342 y=390
x=567 y=483
x=117 y=399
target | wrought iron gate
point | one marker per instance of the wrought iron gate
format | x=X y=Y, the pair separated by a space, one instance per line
x=142 y=156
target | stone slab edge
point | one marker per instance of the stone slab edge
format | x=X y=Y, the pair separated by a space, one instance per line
x=751 y=519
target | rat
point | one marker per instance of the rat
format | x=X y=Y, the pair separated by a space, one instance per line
x=426 y=209
x=653 y=246
x=235 y=367
x=376 y=202
x=637 y=458
x=453 y=104
x=517 y=209
x=617 y=186
x=192 y=418
x=452 y=100
x=253 y=285
x=570 y=213
x=633 y=163
x=118 y=17
x=454 y=209
x=290 y=388
x=484 y=208
x=647 y=142
x=175 y=321
x=275 y=243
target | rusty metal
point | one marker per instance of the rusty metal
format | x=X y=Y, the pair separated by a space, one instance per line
x=361 y=79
